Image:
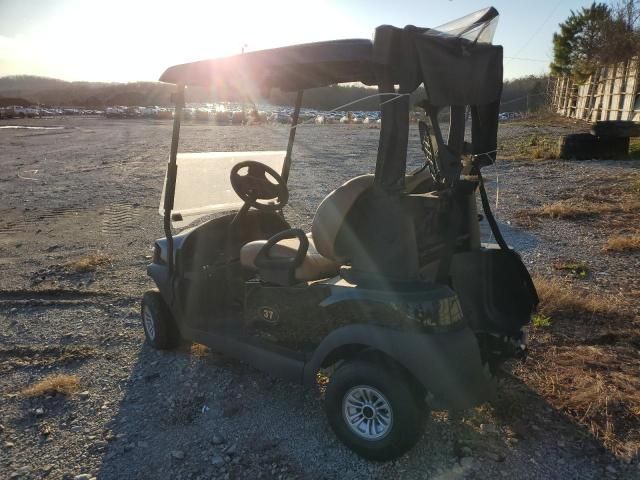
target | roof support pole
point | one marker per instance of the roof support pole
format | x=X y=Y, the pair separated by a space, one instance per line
x=172 y=171
x=292 y=136
x=394 y=136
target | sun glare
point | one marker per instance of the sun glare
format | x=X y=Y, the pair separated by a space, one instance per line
x=125 y=40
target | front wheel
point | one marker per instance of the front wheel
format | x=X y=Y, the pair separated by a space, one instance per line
x=373 y=410
x=159 y=327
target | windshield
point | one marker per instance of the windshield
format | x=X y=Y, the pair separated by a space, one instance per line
x=477 y=27
x=203 y=186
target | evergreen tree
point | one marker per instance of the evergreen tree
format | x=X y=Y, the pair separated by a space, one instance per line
x=577 y=48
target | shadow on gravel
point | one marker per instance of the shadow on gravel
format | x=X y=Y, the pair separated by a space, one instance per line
x=186 y=416
x=201 y=416
x=43 y=356
x=562 y=447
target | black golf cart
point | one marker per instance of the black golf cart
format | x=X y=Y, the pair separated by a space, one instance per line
x=392 y=292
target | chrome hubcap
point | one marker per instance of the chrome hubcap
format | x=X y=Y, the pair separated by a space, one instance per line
x=367 y=412
x=147 y=317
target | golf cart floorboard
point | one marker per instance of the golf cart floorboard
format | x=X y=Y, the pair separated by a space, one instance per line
x=265 y=356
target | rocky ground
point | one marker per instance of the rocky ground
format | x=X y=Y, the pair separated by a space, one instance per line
x=90 y=190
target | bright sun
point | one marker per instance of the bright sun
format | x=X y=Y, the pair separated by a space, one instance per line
x=125 y=40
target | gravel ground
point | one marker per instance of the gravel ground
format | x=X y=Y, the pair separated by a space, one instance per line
x=93 y=186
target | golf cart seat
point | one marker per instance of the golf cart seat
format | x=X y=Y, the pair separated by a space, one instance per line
x=312 y=267
x=293 y=256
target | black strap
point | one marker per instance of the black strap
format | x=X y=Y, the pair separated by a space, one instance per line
x=489 y=215
x=503 y=245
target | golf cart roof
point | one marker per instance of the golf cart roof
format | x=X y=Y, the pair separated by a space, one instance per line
x=290 y=68
x=457 y=58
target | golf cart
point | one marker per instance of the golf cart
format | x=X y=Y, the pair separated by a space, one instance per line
x=391 y=293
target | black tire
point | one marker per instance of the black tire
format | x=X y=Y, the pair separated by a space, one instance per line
x=581 y=146
x=407 y=415
x=613 y=147
x=159 y=326
x=616 y=128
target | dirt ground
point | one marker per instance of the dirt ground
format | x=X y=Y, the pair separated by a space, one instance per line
x=78 y=216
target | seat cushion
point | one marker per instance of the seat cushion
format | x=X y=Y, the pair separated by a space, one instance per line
x=314 y=266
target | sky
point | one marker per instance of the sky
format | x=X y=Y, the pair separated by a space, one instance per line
x=132 y=40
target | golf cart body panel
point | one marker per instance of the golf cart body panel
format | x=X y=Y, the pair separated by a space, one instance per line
x=333 y=303
x=393 y=270
x=447 y=365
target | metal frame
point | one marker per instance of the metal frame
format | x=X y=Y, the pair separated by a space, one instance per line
x=292 y=136
x=172 y=173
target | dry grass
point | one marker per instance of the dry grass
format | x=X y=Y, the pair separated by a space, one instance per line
x=54 y=384
x=584 y=362
x=573 y=209
x=622 y=243
x=88 y=263
x=612 y=200
x=597 y=385
x=558 y=298
x=539 y=147
x=199 y=350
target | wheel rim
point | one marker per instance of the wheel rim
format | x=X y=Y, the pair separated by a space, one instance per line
x=149 y=326
x=367 y=412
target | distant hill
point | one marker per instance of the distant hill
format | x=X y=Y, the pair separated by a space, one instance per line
x=14 y=101
x=52 y=91
x=28 y=83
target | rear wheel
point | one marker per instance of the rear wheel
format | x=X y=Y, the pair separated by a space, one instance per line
x=373 y=410
x=159 y=327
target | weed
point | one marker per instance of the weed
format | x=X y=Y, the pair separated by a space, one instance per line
x=53 y=384
x=576 y=268
x=541 y=321
x=88 y=263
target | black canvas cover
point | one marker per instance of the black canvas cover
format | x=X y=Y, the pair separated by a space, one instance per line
x=458 y=72
x=456 y=62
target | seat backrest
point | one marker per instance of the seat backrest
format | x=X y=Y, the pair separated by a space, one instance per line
x=331 y=215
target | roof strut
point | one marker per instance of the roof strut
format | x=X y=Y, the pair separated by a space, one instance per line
x=292 y=135
x=172 y=171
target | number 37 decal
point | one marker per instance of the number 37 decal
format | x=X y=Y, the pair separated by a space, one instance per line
x=268 y=314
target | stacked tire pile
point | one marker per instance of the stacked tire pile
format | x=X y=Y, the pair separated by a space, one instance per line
x=608 y=139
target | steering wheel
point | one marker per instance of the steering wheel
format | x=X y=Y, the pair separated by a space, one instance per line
x=261 y=182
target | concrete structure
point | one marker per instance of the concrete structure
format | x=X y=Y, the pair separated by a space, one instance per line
x=611 y=93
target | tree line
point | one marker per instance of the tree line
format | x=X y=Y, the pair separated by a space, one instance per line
x=517 y=95
x=600 y=34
